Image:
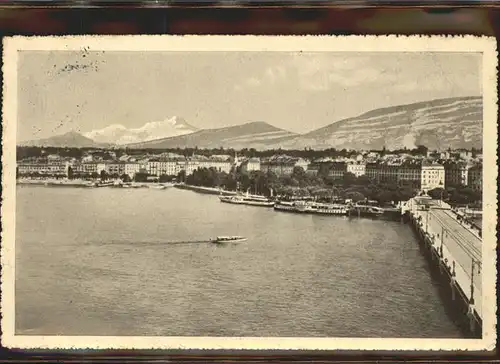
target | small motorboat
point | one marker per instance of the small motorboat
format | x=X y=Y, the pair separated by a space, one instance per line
x=228 y=239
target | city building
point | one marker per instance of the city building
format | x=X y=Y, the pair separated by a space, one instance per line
x=388 y=172
x=222 y=163
x=131 y=168
x=250 y=164
x=166 y=166
x=410 y=173
x=456 y=174
x=356 y=168
x=371 y=170
x=282 y=165
x=432 y=176
x=115 y=168
x=43 y=168
x=475 y=177
x=337 y=170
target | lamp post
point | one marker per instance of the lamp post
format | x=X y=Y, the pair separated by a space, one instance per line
x=474 y=263
x=426 y=221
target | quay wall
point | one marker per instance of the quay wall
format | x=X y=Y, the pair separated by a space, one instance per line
x=453 y=281
x=206 y=190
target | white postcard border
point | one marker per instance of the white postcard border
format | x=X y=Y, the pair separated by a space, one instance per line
x=485 y=45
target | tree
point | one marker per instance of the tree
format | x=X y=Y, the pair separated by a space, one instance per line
x=438 y=193
x=141 y=177
x=70 y=173
x=166 y=178
x=181 y=176
x=349 y=179
x=355 y=196
x=364 y=180
x=125 y=177
x=104 y=175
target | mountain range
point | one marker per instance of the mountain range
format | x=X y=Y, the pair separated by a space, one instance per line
x=69 y=139
x=120 y=135
x=437 y=124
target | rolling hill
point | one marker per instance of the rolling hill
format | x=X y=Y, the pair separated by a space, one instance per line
x=258 y=135
x=437 y=124
x=70 y=139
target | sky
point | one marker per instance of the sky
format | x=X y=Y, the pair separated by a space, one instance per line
x=66 y=91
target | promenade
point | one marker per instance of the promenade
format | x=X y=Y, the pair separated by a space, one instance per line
x=457 y=247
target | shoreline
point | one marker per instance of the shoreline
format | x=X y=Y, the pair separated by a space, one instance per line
x=205 y=190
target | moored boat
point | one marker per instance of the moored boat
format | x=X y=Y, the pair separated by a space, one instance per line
x=305 y=206
x=330 y=209
x=231 y=199
x=257 y=201
x=288 y=206
x=367 y=210
x=247 y=200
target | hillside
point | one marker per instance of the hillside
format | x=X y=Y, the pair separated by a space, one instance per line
x=437 y=124
x=257 y=135
x=70 y=139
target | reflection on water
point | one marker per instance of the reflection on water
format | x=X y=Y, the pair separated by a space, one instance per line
x=106 y=262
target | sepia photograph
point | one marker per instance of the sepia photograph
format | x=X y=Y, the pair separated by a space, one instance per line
x=249 y=192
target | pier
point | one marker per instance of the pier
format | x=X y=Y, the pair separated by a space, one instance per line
x=206 y=190
x=454 y=251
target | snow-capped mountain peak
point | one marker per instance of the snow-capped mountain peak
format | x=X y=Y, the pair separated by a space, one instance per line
x=119 y=134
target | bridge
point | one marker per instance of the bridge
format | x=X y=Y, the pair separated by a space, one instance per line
x=455 y=247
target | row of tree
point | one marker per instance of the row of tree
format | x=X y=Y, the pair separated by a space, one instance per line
x=299 y=183
x=24 y=152
x=457 y=195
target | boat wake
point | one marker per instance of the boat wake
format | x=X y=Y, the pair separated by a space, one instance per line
x=151 y=243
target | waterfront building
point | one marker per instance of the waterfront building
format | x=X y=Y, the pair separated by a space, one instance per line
x=282 y=165
x=115 y=168
x=475 y=177
x=410 y=173
x=356 y=168
x=250 y=164
x=87 y=168
x=456 y=174
x=191 y=165
x=337 y=170
x=44 y=168
x=388 y=172
x=222 y=163
x=372 y=170
x=131 y=168
x=166 y=166
x=432 y=176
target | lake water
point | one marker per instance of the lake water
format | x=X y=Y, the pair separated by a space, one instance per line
x=101 y=262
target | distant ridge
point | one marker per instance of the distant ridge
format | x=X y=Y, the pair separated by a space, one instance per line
x=252 y=135
x=70 y=139
x=437 y=124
